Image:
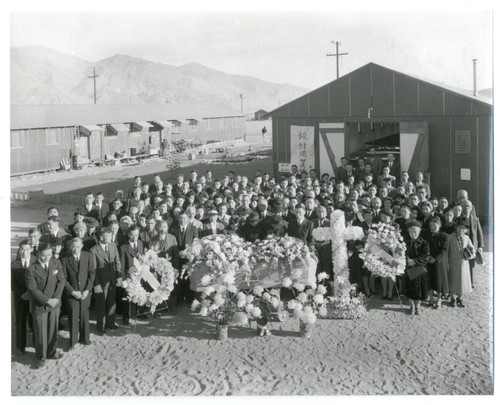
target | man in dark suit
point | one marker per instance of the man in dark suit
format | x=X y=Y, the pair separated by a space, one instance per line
x=128 y=252
x=21 y=296
x=321 y=220
x=376 y=162
x=108 y=276
x=134 y=200
x=348 y=173
x=45 y=283
x=53 y=230
x=299 y=227
x=185 y=234
x=79 y=271
x=359 y=172
x=34 y=236
x=101 y=207
x=310 y=213
x=150 y=231
x=475 y=234
x=342 y=170
x=323 y=248
x=89 y=209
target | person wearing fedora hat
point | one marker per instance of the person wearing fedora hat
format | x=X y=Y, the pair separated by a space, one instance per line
x=277 y=225
x=415 y=276
x=252 y=229
x=213 y=226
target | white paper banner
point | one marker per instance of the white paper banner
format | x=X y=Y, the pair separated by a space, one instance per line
x=302 y=147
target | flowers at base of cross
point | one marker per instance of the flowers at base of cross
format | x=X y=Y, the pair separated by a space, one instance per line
x=384 y=251
x=346 y=303
x=162 y=270
x=309 y=302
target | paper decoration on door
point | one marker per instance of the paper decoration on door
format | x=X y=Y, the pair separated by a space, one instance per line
x=302 y=147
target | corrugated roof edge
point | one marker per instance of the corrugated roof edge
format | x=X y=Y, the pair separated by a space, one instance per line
x=63 y=115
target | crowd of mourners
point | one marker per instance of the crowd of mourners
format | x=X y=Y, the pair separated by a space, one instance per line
x=66 y=268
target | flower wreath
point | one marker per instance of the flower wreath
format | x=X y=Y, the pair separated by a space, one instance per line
x=141 y=270
x=384 y=251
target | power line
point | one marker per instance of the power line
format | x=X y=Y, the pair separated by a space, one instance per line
x=337 y=54
x=94 y=76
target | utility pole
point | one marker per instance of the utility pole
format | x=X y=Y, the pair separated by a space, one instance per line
x=241 y=97
x=94 y=76
x=337 y=54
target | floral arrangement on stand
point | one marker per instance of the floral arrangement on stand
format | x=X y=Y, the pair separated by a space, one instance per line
x=161 y=280
x=346 y=303
x=219 y=301
x=309 y=303
x=263 y=306
x=384 y=251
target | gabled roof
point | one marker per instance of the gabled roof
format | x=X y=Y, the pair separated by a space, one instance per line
x=461 y=92
x=63 y=115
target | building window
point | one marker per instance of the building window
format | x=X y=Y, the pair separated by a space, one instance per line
x=223 y=123
x=53 y=136
x=176 y=129
x=16 y=139
x=193 y=125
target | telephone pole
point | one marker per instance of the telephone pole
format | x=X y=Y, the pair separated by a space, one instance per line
x=337 y=54
x=241 y=97
x=94 y=76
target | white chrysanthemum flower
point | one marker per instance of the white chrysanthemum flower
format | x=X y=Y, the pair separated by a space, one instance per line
x=266 y=296
x=310 y=291
x=321 y=289
x=249 y=299
x=240 y=319
x=204 y=311
x=292 y=304
x=258 y=290
x=275 y=292
x=256 y=312
x=287 y=282
x=218 y=299
x=249 y=308
x=232 y=289
x=319 y=299
x=275 y=302
x=302 y=297
x=322 y=311
x=228 y=278
x=205 y=280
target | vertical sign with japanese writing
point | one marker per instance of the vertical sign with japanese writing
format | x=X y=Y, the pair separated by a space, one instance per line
x=302 y=147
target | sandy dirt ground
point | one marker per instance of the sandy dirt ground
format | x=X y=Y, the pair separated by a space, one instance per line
x=446 y=351
x=443 y=351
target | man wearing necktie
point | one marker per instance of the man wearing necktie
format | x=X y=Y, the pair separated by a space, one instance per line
x=79 y=271
x=21 y=296
x=128 y=251
x=185 y=233
x=107 y=278
x=45 y=283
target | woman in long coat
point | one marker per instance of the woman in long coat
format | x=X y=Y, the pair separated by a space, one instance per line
x=415 y=277
x=459 y=280
x=437 y=267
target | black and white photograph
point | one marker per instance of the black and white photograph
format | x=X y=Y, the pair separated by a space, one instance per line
x=258 y=201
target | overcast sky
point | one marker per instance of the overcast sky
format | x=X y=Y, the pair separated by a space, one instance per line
x=277 y=46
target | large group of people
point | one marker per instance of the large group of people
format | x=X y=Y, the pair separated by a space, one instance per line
x=73 y=266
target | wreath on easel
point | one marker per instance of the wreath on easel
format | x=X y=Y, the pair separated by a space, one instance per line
x=157 y=274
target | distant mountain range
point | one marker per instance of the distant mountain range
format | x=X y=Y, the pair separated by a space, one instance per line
x=41 y=75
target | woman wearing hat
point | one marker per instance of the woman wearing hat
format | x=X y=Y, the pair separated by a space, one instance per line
x=461 y=250
x=437 y=267
x=212 y=227
x=415 y=277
